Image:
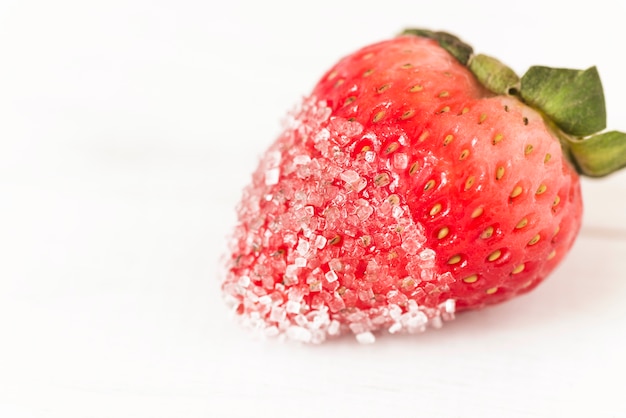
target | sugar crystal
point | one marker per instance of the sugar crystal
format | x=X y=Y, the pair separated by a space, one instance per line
x=331 y=276
x=372 y=267
x=364 y=212
x=303 y=247
x=346 y=128
x=321 y=248
x=292 y=307
x=322 y=135
x=449 y=306
x=428 y=258
x=322 y=112
x=400 y=161
x=436 y=322
x=291 y=270
x=299 y=334
x=263 y=300
x=317 y=336
x=395 y=312
x=395 y=327
x=360 y=184
x=349 y=176
x=301 y=320
x=301 y=159
x=416 y=321
x=291 y=274
x=272 y=159
x=271 y=331
x=397 y=211
x=333 y=328
x=295 y=293
x=427 y=275
x=320 y=242
x=336 y=303
x=411 y=245
x=320 y=319
x=244 y=281
x=278 y=314
x=335 y=264
x=315 y=199
x=395 y=297
x=446 y=278
x=366 y=338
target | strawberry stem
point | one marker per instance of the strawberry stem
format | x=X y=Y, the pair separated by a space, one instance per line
x=494 y=75
x=571 y=101
x=456 y=47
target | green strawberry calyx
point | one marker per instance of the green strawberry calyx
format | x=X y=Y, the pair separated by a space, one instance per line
x=571 y=101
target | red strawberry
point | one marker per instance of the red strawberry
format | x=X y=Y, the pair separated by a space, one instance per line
x=416 y=180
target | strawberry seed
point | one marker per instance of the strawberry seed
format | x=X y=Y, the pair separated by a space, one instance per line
x=435 y=209
x=378 y=116
x=534 y=240
x=487 y=232
x=477 y=212
x=519 y=269
x=528 y=149
x=541 y=190
x=494 y=255
x=522 y=224
x=499 y=172
x=516 y=192
x=406 y=115
x=443 y=232
x=471 y=279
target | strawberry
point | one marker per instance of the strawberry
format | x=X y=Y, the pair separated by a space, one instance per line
x=417 y=180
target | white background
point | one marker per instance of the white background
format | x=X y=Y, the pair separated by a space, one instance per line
x=127 y=131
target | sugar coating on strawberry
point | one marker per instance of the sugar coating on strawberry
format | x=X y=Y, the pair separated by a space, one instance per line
x=400 y=191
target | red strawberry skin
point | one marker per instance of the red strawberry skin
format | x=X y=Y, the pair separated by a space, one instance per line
x=400 y=191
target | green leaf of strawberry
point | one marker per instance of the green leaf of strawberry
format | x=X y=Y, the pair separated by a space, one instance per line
x=416 y=180
x=600 y=154
x=572 y=99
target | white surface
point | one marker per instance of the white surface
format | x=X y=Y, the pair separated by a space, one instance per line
x=127 y=130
